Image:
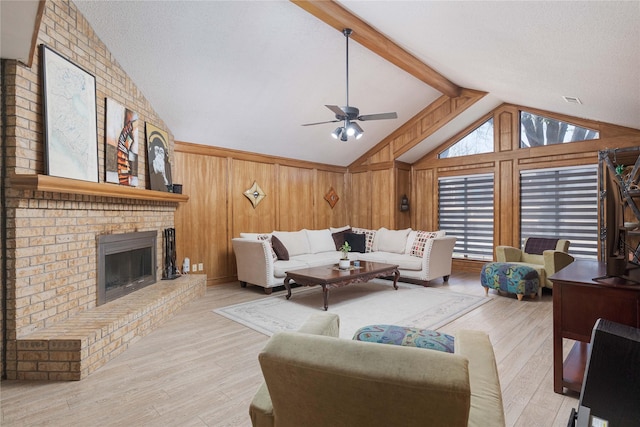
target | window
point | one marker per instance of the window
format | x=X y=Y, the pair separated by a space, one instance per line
x=561 y=203
x=480 y=140
x=465 y=208
x=538 y=130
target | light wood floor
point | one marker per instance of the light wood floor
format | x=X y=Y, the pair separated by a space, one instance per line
x=201 y=369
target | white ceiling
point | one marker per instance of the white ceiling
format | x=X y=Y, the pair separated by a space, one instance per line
x=246 y=74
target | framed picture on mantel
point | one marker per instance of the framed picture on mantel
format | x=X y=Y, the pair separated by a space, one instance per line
x=158 y=159
x=70 y=122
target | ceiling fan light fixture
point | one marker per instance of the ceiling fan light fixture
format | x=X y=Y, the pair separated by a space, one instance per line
x=336 y=133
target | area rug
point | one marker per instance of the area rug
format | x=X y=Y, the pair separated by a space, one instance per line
x=361 y=304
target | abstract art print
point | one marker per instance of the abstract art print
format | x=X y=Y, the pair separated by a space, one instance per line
x=158 y=159
x=69 y=107
x=121 y=152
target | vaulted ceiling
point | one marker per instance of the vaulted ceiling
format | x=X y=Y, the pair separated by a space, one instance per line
x=246 y=74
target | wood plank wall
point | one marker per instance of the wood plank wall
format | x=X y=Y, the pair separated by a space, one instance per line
x=369 y=190
x=215 y=180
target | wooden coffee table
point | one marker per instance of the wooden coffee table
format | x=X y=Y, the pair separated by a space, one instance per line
x=329 y=276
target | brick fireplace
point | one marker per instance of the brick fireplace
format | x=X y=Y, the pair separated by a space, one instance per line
x=53 y=326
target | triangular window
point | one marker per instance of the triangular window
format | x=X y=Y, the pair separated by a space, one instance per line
x=479 y=140
x=536 y=131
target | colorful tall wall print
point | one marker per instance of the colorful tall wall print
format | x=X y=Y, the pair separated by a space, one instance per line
x=121 y=134
x=158 y=159
x=70 y=122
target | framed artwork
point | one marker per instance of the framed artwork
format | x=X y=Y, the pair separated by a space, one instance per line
x=158 y=158
x=121 y=144
x=70 y=121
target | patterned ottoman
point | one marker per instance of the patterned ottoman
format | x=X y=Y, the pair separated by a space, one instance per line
x=513 y=278
x=407 y=336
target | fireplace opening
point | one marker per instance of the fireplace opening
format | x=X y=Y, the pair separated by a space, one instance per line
x=126 y=263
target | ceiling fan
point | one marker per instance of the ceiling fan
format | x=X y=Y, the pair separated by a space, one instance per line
x=348 y=114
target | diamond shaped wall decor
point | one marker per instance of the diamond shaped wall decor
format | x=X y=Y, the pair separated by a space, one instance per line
x=255 y=194
x=331 y=197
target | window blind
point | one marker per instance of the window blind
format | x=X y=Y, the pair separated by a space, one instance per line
x=561 y=203
x=465 y=210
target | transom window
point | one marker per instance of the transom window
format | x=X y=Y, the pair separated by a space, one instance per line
x=536 y=131
x=479 y=140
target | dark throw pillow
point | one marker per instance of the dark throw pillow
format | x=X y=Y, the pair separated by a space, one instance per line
x=278 y=247
x=356 y=241
x=338 y=238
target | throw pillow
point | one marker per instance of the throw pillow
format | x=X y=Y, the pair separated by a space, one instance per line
x=268 y=237
x=296 y=242
x=419 y=243
x=356 y=241
x=393 y=241
x=537 y=245
x=279 y=249
x=320 y=241
x=369 y=236
x=338 y=238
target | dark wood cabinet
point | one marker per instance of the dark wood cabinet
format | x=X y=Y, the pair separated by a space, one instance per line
x=581 y=295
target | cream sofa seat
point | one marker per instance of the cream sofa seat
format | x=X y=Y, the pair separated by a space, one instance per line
x=311 y=248
x=546 y=264
x=313 y=378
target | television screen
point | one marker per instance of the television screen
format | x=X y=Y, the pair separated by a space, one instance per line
x=610 y=395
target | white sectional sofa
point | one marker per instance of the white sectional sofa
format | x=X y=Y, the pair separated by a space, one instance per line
x=421 y=256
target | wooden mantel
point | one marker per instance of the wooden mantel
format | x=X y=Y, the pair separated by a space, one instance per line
x=56 y=184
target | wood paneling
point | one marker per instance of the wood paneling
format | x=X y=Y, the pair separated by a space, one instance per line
x=507 y=204
x=246 y=218
x=296 y=201
x=423 y=210
x=360 y=200
x=215 y=180
x=382 y=199
x=325 y=216
x=201 y=231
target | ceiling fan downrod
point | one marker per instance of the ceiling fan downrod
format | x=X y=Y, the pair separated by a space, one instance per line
x=347 y=32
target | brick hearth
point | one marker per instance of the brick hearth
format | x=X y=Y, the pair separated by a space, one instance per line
x=76 y=347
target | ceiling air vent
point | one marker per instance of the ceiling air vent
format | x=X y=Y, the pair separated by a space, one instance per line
x=572 y=99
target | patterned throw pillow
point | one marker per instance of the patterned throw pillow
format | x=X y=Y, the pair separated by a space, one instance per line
x=268 y=237
x=369 y=236
x=417 y=249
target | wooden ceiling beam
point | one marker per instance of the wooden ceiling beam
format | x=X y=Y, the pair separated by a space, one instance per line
x=339 y=18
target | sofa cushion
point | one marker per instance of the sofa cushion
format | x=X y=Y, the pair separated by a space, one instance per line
x=319 y=259
x=320 y=241
x=280 y=268
x=296 y=242
x=369 y=236
x=279 y=249
x=336 y=230
x=404 y=261
x=417 y=248
x=338 y=237
x=356 y=241
x=393 y=241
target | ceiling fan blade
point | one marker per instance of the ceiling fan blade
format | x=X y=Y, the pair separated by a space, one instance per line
x=339 y=112
x=320 y=123
x=381 y=116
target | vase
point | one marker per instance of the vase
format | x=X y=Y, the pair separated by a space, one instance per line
x=344 y=264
